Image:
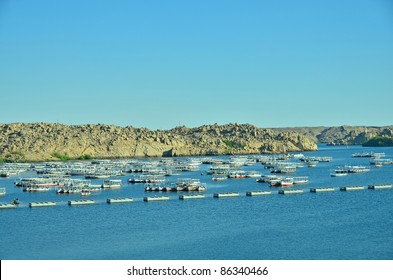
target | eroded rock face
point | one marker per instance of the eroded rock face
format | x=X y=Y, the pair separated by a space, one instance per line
x=44 y=141
x=343 y=135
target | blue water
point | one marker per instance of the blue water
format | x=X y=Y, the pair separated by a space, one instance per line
x=337 y=225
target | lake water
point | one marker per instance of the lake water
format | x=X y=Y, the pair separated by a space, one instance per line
x=337 y=225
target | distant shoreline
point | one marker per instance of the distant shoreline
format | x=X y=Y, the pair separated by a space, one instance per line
x=21 y=142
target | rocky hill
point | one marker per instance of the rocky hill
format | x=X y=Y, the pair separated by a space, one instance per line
x=343 y=135
x=44 y=141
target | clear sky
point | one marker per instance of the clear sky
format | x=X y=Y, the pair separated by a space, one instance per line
x=159 y=64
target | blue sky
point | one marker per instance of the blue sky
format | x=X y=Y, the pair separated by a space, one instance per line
x=160 y=64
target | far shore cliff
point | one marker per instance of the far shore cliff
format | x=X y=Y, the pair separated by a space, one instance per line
x=53 y=141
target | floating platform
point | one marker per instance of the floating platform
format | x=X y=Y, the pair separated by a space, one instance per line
x=227 y=194
x=294 y=191
x=328 y=189
x=191 y=196
x=380 y=187
x=258 y=193
x=352 y=188
x=155 y=198
x=42 y=204
x=119 y=200
x=7 y=206
x=81 y=202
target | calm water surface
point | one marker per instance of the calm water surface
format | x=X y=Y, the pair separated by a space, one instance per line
x=337 y=225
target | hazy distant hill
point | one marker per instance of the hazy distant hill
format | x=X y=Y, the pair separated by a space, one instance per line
x=44 y=141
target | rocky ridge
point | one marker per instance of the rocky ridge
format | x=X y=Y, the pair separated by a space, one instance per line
x=343 y=135
x=50 y=141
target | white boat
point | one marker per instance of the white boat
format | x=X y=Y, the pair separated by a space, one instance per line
x=97 y=176
x=111 y=184
x=378 y=164
x=2 y=191
x=283 y=182
x=146 y=178
x=339 y=172
x=284 y=168
x=300 y=180
x=221 y=178
x=238 y=174
x=312 y=163
x=36 y=189
x=269 y=179
x=253 y=174
x=358 y=169
x=286 y=182
x=85 y=192
x=334 y=174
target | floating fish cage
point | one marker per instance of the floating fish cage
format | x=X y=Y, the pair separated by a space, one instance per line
x=328 y=189
x=258 y=193
x=42 y=204
x=380 y=187
x=227 y=194
x=7 y=206
x=352 y=188
x=191 y=196
x=155 y=198
x=294 y=191
x=81 y=202
x=119 y=200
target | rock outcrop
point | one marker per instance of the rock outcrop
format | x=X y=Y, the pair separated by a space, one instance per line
x=45 y=141
x=343 y=135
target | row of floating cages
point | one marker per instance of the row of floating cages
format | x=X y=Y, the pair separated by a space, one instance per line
x=199 y=196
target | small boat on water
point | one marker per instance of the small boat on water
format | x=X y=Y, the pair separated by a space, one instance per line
x=97 y=176
x=85 y=192
x=283 y=182
x=358 y=169
x=339 y=172
x=253 y=174
x=68 y=190
x=238 y=174
x=219 y=178
x=312 y=163
x=36 y=189
x=146 y=178
x=111 y=184
x=287 y=182
x=2 y=191
x=284 y=169
x=300 y=180
x=378 y=164
x=269 y=179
